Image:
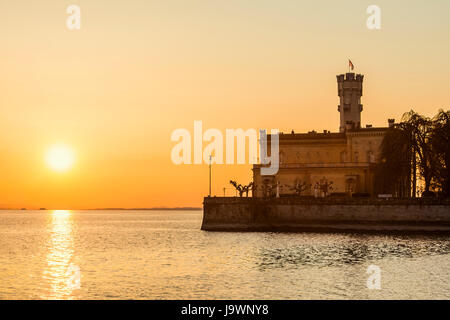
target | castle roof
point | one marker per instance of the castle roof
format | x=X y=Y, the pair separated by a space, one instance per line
x=327 y=135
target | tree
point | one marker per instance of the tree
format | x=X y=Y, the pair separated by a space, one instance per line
x=238 y=187
x=242 y=188
x=416 y=147
x=298 y=187
x=440 y=141
x=421 y=129
x=268 y=188
x=393 y=174
x=247 y=188
x=326 y=187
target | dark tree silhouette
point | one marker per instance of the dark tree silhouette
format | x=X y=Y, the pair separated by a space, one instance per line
x=242 y=188
x=326 y=187
x=416 y=147
x=421 y=128
x=247 y=188
x=268 y=189
x=238 y=187
x=440 y=141
x=298 y=187
x=394 y=172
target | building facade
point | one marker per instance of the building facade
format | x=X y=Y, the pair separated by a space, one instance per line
x=323 y=163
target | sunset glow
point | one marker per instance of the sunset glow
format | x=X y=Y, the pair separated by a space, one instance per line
x=222 y=159
x=116 y=99
x=60 y=158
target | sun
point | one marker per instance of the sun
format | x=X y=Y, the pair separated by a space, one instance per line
x=60 y=158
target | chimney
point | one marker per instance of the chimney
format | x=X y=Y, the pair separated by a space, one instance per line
x=391 y=122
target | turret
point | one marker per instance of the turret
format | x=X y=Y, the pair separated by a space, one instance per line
x=350 y=91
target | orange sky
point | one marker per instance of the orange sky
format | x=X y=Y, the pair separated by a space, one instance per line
x=137 y=70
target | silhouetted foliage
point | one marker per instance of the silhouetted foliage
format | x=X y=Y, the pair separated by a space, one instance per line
x=415 y=148
x=247 y=188
x=395 y=164
x=269 y=189
x=299 y=187
x=440 y=140
x=242 y=188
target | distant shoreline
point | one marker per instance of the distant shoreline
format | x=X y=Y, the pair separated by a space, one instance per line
x=114 y=209
x=152 y=209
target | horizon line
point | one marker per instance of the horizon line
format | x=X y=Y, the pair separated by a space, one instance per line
x=93 y=209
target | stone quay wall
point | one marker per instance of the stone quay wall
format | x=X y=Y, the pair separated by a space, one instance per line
x=325 y=215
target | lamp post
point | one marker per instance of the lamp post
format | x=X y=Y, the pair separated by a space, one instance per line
x=210 y=161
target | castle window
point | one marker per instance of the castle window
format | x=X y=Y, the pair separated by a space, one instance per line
x=370 y=157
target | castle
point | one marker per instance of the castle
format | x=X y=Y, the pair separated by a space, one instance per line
x=322 y=163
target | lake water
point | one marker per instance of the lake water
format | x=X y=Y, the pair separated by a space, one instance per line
x=165 y=255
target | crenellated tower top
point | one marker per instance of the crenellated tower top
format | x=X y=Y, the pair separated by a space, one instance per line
x=350 y=88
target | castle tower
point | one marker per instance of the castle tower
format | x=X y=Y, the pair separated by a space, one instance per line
x=350 y=107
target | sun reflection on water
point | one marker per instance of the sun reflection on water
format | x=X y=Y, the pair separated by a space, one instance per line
x=58 y=272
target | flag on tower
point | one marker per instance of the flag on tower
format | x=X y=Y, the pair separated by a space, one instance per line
x=350 y=64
